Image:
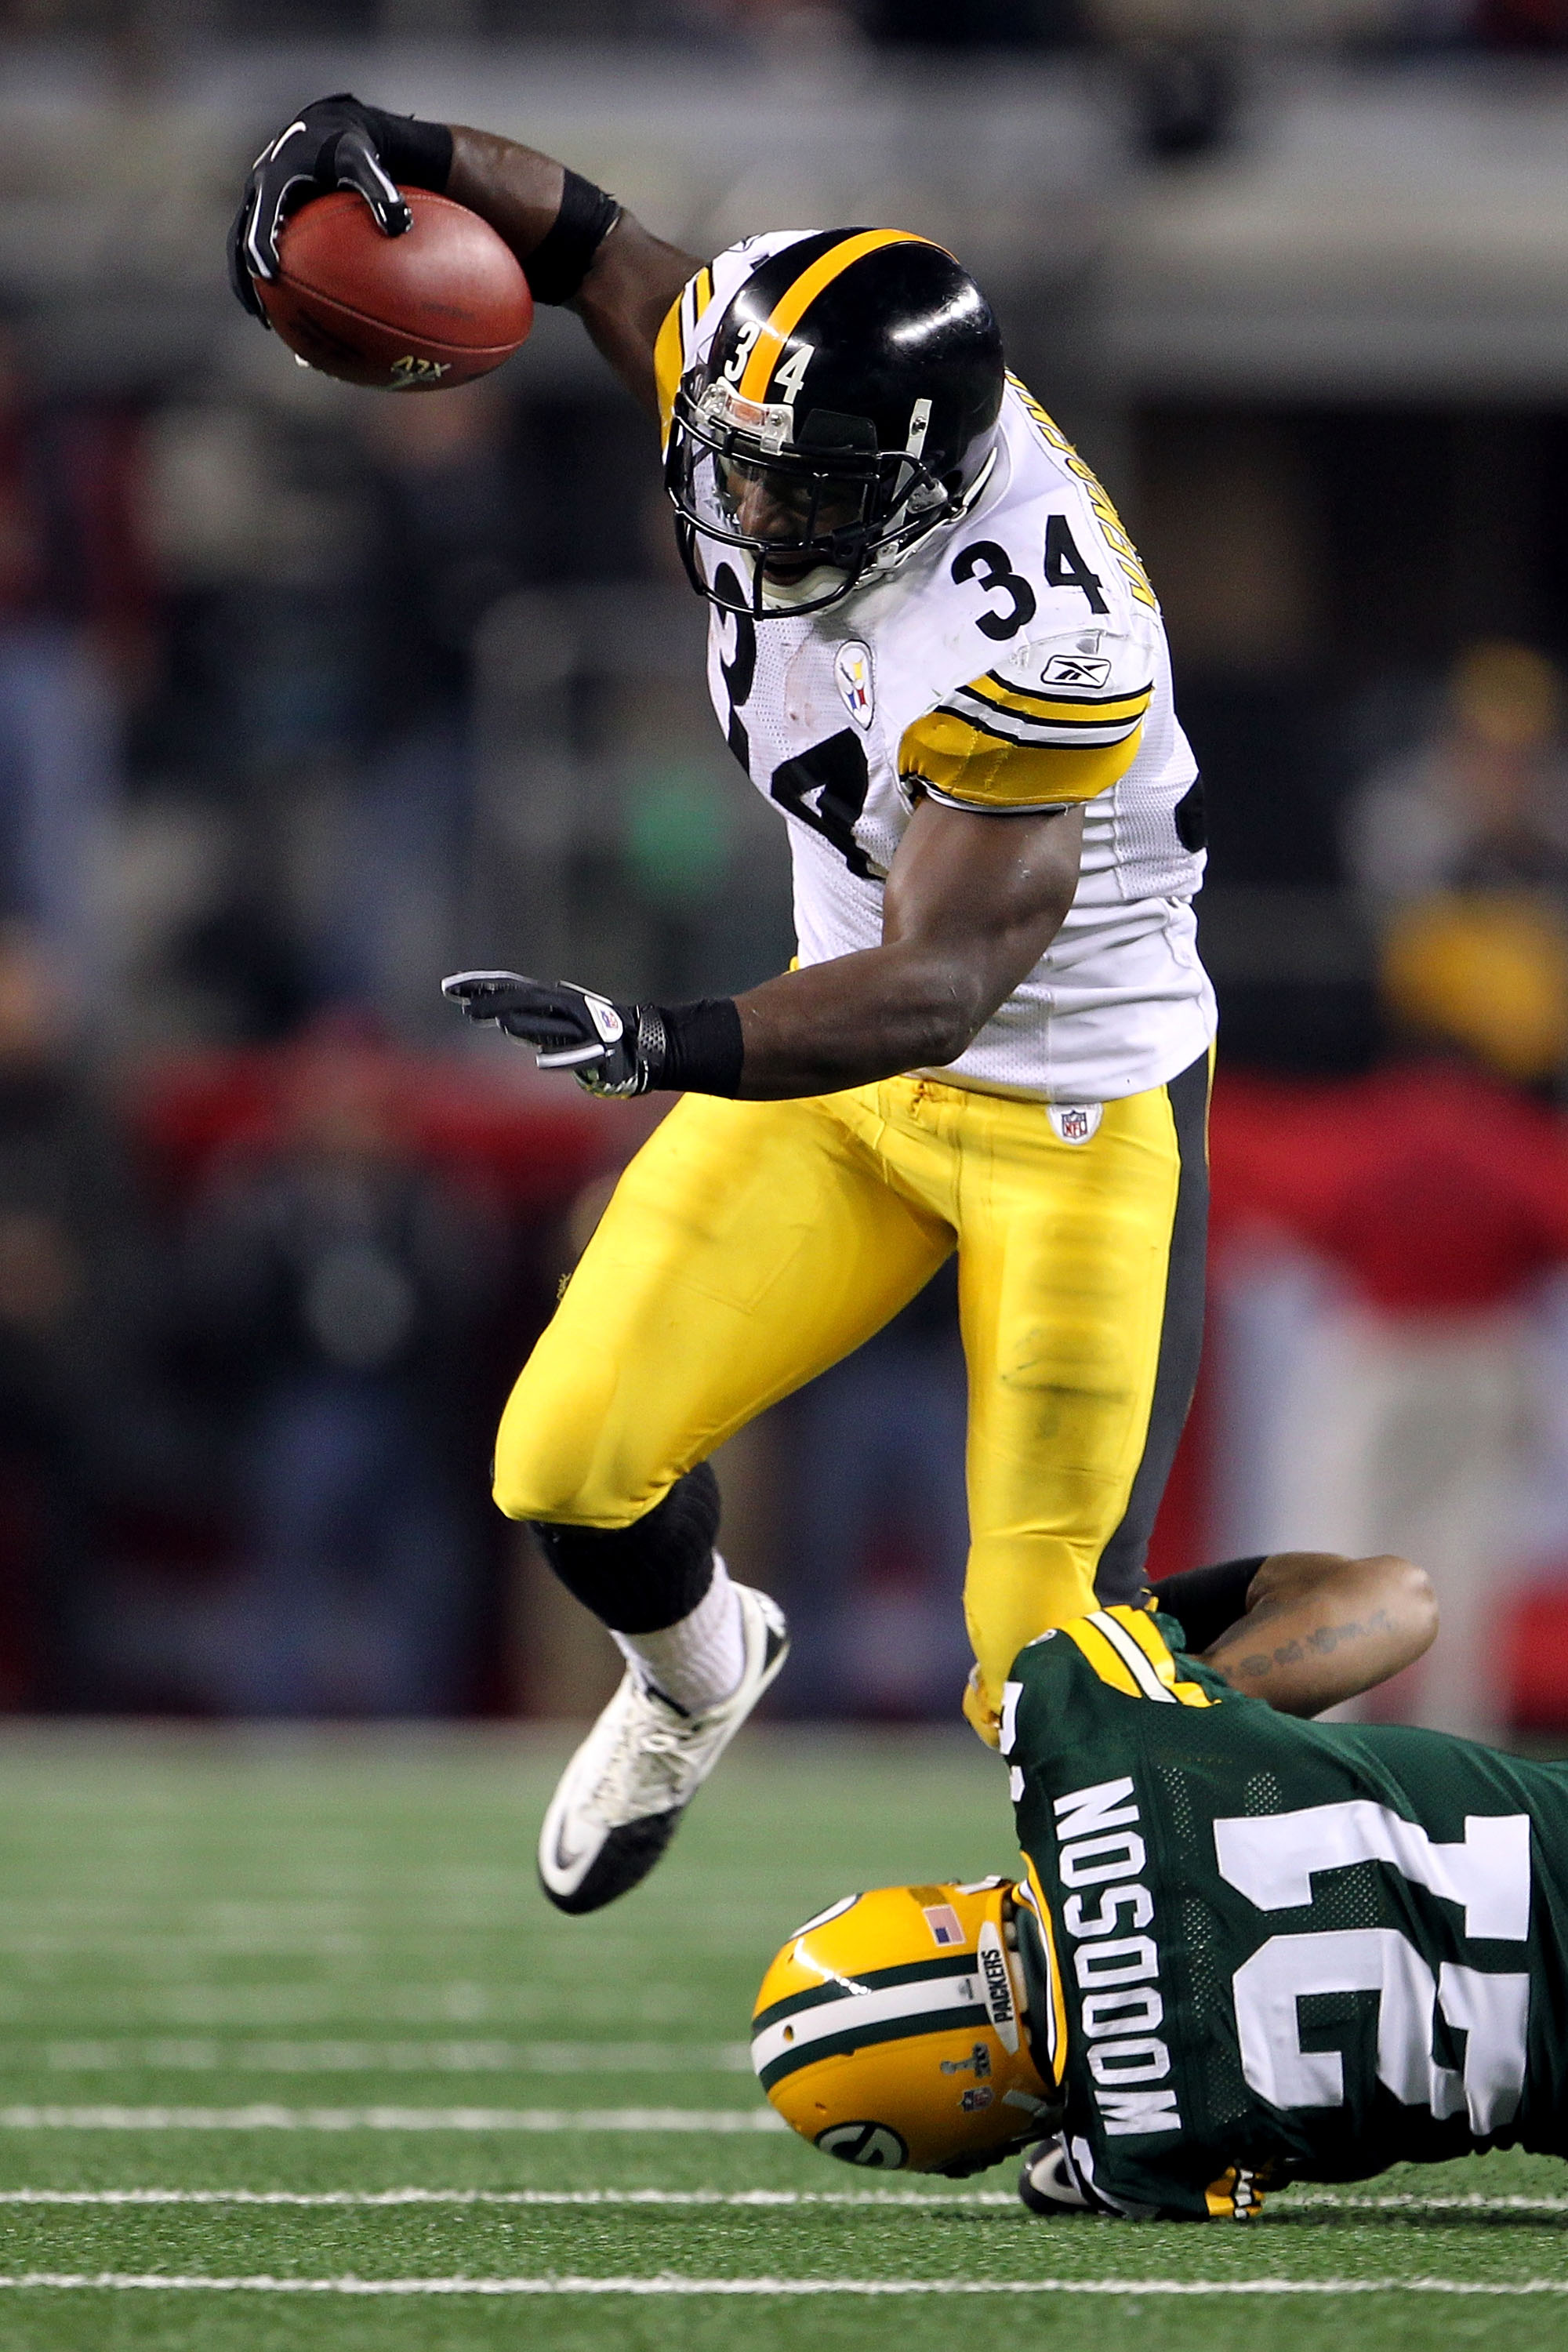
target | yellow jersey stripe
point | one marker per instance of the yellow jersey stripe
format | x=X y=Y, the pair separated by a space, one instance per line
x=1107 y=1662
x=1133 y=1657
x=1056 y=2055
x=1151 y=1641
x=1107 y=1639
x=797 y=298
x=1067 y=711
x=985 y=771
x=668 y=363
x=1037 y=734
x=674 y=341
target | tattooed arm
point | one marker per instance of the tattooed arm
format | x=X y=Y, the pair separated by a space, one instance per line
x=1320 y=1628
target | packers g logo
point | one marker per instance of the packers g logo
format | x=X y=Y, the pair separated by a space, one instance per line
x=877 y=2145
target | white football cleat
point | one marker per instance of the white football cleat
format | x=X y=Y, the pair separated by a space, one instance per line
x=617 y=1803
x=1048 y=2183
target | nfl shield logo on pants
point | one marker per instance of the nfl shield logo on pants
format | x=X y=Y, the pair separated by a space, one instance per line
x=1076 y=1122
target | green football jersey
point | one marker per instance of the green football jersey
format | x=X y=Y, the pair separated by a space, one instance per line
x=1273 y=1949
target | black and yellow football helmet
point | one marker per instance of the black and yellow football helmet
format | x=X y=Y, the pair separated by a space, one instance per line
x=892 y=2031
x=847 y=406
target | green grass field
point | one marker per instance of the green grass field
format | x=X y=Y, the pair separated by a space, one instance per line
x=294 y=2016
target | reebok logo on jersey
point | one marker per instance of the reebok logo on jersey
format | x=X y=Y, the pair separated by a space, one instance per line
x=1117 y=1965
x=852 y=668
x=1076 y=669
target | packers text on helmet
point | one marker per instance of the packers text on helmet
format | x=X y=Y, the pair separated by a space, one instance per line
x=891 y=2031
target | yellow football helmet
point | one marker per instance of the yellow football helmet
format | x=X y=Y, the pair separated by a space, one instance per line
x=891 y=2030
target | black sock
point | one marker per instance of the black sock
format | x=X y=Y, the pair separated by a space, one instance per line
x=641 y=1579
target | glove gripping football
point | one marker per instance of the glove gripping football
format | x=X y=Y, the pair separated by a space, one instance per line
x=334 y=142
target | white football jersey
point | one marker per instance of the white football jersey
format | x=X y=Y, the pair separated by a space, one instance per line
x=1014 y=660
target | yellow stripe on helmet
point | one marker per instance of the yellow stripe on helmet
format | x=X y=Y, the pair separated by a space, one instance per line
x=797 y=298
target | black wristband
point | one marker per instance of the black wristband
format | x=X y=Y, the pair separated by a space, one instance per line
x=703 y=1046
x=1208 y=1600
x=416 y=154
x=559 y=262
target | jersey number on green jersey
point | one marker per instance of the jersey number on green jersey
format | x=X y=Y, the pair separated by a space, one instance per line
x=1272 y=1858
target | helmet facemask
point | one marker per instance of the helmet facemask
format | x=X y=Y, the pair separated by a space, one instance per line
x=791 y=505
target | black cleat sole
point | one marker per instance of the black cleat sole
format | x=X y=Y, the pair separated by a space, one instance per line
x=622 y=1862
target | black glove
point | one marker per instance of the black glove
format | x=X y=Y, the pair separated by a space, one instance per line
x=335 y=142
x=612 y=1049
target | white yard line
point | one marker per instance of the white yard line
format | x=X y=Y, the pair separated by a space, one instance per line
x=1291 y=2200
x=194 y=2054
x=905 y=2197
x=896 y=2199
x=344 y=2005
x=399 y=2119
x=549 y=2121
x=158 y=2282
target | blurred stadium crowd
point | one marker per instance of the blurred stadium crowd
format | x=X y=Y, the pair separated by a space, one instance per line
x=307 y=697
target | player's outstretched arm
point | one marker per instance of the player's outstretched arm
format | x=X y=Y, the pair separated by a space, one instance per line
x=1320 y=1628
x=576 y=244
x=633 y=276
x=973 y=902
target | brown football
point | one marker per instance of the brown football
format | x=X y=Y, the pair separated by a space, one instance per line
x=420 y=312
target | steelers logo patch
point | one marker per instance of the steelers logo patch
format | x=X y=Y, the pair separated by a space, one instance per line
x=877 y=2145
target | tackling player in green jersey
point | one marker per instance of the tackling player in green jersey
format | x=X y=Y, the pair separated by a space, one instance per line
x=1246 y=1949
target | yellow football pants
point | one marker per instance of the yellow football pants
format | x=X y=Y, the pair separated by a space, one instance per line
x=751 y=1244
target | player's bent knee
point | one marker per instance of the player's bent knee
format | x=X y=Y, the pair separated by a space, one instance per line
x=524 y=1490
x=551 y=1456
x=563 y=1472
x=567 y=1450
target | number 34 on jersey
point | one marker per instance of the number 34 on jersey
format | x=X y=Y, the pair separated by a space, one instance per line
x=1013 y=661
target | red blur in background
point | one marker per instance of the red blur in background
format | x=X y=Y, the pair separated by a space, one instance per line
x=1434 y=1190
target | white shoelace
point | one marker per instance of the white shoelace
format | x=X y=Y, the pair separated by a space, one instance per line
x=655 y=1763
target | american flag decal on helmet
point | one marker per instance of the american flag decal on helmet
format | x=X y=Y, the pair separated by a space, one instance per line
x=944 y=1922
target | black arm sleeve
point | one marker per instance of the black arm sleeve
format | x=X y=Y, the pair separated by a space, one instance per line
x=1208 y=1600
x=416 y=154
x=559 y=262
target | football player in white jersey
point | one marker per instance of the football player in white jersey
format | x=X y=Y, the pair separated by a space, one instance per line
x=935 y=649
